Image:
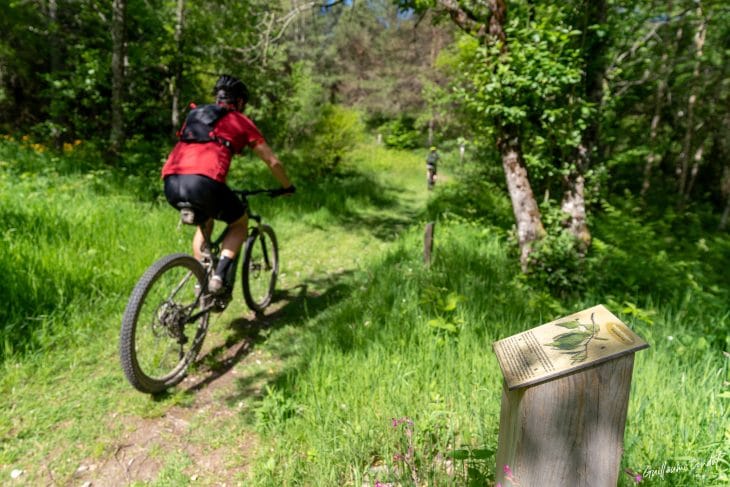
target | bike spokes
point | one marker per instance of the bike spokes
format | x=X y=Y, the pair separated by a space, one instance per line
x=164 y=323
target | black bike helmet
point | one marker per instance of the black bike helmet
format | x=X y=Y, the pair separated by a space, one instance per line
x=229 y=90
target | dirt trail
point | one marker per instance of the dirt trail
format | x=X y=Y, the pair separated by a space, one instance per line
x=144 y=452
x=206 y=440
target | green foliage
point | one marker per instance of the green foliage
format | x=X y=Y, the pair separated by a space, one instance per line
x=475 y=198
x=557 y=260
x=646 y=105
x=402 y=134
x=353 y=346
x=333 y=135
x=304 y=105
x=338 y=131
x=534 y=85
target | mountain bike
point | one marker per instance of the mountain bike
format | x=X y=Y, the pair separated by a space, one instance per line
x=430 y=176
x=167 y=315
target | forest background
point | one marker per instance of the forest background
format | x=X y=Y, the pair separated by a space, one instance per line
x=595 y=134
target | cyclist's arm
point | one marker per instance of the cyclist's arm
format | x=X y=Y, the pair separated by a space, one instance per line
x=264 y=152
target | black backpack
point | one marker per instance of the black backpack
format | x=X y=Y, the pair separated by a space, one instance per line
x=200 y=123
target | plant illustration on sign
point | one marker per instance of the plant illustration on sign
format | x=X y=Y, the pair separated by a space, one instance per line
x=575 y=342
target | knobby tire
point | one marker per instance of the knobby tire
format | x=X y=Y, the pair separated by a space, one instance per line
x=161 y=334
x=260 y=268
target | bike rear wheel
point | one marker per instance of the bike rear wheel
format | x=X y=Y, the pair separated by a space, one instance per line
x=431 y=179
x=163 y=326
x=260 y=268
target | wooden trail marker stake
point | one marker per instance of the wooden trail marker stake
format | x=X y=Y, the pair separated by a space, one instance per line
x=564 y=401
x=428 y=243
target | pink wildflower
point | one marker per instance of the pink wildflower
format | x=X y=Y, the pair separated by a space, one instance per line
x=636 y=477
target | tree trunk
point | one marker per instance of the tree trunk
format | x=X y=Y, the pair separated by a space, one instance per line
x=54 y=52
x=685 y=156
x=118 y=29
x=177 y=72
x=652 y=159
x=574 y=206
x=725 y=190
x=725 y=214
x=524 y=205
x=695 y=169
x=573 y=202
x=666 y=66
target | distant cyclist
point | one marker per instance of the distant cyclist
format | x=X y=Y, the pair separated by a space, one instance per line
x=196 y=169
x=431 y=167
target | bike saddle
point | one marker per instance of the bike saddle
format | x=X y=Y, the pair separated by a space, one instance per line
x=189 y=215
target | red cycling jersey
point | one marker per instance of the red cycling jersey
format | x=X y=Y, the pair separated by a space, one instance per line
x=212 y=159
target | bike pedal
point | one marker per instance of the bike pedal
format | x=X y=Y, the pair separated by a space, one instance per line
x=220 y=303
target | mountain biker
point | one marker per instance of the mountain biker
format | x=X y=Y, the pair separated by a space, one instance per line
x=431 y=162
x=195 y=172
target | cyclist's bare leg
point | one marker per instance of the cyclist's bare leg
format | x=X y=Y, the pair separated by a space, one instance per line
x=236 y=234
x=232 y=242
x=199 y=239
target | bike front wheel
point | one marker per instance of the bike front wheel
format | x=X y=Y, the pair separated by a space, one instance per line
x=164 y=323
x=260 y=268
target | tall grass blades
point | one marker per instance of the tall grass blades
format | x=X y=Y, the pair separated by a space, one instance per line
x=398 y=382
x=66 y=249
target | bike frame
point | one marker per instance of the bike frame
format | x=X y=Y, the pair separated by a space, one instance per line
x=211 y=250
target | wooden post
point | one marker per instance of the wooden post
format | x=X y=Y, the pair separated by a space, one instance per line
x=564 y=401
x=428 y=243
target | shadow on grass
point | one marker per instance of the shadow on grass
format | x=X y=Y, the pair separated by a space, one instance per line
x=291 y=306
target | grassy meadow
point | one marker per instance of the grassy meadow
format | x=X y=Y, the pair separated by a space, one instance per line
x=370 y=368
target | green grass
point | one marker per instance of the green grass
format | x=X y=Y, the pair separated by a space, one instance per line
x=362 y=334
x=377 y=356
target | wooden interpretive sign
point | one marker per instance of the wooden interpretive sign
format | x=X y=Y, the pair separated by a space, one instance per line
x=563 y=346
x=564 y=401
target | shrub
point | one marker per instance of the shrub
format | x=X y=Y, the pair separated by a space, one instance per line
x=401 y=134
x=338 y=131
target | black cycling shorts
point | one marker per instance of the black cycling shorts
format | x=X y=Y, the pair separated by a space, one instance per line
x=213 y=198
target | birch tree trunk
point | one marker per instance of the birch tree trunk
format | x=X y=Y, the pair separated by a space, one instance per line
x=524 y=205
x=177 y=71
x=573 y=201
x=666 y=66
x=574 y=206
x=118 y=28
x=653 y=158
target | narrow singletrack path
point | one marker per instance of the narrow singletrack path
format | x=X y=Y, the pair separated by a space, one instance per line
x=205 y=431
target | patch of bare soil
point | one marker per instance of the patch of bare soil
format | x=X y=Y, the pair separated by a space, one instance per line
x=145 y=451
x=141 y=453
